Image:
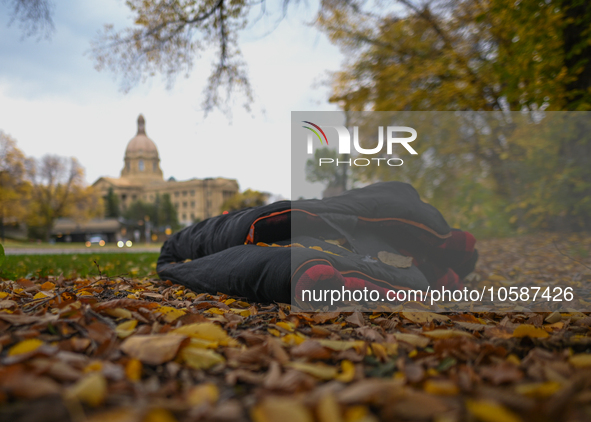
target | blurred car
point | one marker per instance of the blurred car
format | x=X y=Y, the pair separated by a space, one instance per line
x=95 y=240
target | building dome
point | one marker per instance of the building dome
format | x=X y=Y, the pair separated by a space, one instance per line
x=141 y=143
x=141 y=156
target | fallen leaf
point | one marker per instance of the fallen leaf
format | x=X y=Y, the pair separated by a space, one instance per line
x=203 y=393
x=319 y=370
x=159 y=415
x=91 y=389
x=198 y=358
x=169 y=314
x=440 y=387
x=125 y=329
x=395 y=260
x=206 y=331
x=442 y=333
x=347 y=372
x=25 y=346
x=153 y=349
x=526 y=330
x=424 y=317
x=328 y=409
x=538 y=389
x=488 y=411
x=133 y=370
x=356 y=319
x=273 y=409
x=413 y=339
x=582 y=360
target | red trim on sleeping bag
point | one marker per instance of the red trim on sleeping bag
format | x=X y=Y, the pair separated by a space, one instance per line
x=250 y=236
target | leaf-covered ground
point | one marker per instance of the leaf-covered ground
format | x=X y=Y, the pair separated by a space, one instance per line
x=122 y=349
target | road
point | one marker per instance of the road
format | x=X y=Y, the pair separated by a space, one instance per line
x=81 y=250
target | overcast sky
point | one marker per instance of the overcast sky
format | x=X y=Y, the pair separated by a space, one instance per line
x=52 y=100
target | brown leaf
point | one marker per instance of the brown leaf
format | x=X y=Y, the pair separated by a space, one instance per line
x=285 y=409
x=130 y=304
x=312 y=350
x=502 y=373
x=153 y=349
x=322 y=317
x=356 y=319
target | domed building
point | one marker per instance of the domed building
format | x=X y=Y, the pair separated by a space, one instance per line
x=142 y=179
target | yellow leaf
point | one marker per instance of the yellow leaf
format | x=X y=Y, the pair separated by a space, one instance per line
x=357 y=414
x=169 y=314
x=25 y=346
x=242 y=312
x=125 y=329
x=274 y=331
x=441 y=387
x=133 y=370
x=582 y=360
x=514 y=359
x=526 y=330
x=347 y=372
x=48 y=285
x=217 y=311
x=340 y=345
x=286 y=325
x=488 y=411
x=204 y=344
x=203 y=393
x=424 y=317
x=292 y=339
x=84 y=293
x=3 y=295
x=41 y=295
x=206 y=331
x=118 y=313
x=198 y=358
x=415 y=340
x=442 y=333
x=91 y=389
x=159 y=415
x=538 y=389
x=284 y=409
x=319 y=370
x=93 y=366
x=328 y=409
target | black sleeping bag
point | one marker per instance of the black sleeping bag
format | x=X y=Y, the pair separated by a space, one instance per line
x=259 y=252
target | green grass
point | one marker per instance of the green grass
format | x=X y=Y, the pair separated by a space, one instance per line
x=135 y=265
x=13 y=244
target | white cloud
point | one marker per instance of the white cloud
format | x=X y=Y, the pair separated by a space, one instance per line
x=53 y=101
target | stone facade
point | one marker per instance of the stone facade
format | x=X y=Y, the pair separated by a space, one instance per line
x=141 y=179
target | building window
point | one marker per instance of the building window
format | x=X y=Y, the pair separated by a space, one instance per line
x=141 y=165
x=184 y=205
x=176 y=205
x=133 y=197
x=176 y=194
x=192 y=193
x=192 y=217
x=123 y=197
x=184 y=193
x=192 y=204
x=184 y=217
